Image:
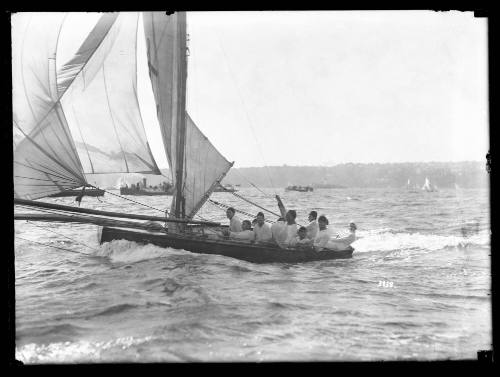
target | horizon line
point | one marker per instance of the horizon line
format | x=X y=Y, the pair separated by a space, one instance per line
x=356 y=163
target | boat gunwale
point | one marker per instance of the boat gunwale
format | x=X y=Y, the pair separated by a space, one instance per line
x=204 y=239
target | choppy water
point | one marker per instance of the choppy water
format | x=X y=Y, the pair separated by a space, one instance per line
x=417 y=287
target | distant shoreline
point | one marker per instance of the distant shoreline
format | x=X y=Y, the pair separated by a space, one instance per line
x=466 y=174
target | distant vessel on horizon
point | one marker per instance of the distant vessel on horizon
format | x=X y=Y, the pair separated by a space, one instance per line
x=428 y=186
x=299 y=188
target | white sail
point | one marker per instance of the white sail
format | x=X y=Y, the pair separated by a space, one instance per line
x=101 y=102
x=45 y=158
x=202 y=166
x=162 y=39
x=426 y=184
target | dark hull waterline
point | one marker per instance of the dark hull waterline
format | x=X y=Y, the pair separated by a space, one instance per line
x=199 y=244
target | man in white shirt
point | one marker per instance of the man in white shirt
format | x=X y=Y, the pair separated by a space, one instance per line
x=246 y=234
x=261 y=230
x=278 y=231
x=284 y=233
x=341 y=243
x=290 y=229
x=234 y=221
x=312 y=228
x=301 y=239
x=323 y=235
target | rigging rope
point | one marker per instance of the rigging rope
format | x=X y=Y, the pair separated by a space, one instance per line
x=55 y=247
x=252 y=184
x=120 y=196
x=62 y=235
x=221 y=205
x=244 y=108
x=248 y=201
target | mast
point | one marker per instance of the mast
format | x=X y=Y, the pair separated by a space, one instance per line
x=179 y=210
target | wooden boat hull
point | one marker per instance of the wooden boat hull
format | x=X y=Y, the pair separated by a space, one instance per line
x=66 y=193
x=202 y=244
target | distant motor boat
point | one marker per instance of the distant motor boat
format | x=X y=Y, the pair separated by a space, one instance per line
x=225 y=188
x=299 y=188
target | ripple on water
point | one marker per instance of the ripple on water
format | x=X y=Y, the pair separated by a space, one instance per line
x=112 y=310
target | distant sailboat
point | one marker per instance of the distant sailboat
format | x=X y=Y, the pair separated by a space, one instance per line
x=428 y=186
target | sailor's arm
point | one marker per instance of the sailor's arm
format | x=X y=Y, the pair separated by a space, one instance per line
x=281 y=206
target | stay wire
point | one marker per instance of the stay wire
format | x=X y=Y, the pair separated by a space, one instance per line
x=244 y=107
x=130 y=200
x=252 y=184
x=55 y=247
x=256 y=205
x=62 y=235
x=221 y=205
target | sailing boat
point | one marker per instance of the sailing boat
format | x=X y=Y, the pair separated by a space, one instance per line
x=428 y=186
x=410 y=187
x=85 y=119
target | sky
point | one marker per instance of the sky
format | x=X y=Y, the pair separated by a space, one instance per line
x=322 y=88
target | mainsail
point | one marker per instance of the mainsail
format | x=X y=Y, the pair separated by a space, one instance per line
x=101 y=103
x=195 y=163
x=45 y=157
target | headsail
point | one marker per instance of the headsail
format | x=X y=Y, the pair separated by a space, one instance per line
x=101 y=103
x=204 y=168
x=45 y=158
x=195 y=164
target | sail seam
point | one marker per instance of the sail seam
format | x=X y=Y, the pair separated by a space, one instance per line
x=46 y=172
x=46 y=180
x=63 y=166
x=83 y=139
x=22 y=71
x=209 y=191
x=65 y=90
x=69 y=138
x=112 y=118
x=140 y=112
x=52 y=158
x=55 y=173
